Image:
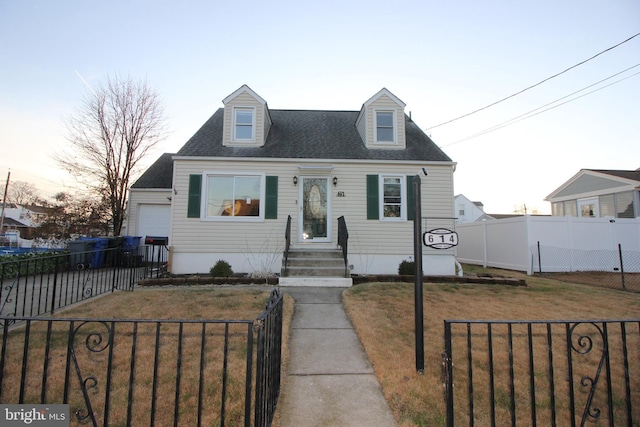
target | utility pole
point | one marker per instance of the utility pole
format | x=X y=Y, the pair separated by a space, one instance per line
x=4 y=201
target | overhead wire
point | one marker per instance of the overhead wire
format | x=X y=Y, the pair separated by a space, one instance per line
x=542 y=109
x=61 y=186
x=535 y=85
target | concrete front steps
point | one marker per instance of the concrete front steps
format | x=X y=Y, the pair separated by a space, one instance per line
x=314 y=267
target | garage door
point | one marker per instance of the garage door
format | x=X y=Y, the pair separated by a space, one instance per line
x=153 y=220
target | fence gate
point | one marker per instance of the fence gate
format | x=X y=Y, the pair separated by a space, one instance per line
x=547 y=373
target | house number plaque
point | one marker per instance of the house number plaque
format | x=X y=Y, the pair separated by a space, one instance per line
x=440 y=238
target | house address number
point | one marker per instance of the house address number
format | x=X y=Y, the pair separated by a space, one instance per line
x=440 y=238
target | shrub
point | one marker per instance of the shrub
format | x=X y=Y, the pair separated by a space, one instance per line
x=406 y=268
x=221 y=269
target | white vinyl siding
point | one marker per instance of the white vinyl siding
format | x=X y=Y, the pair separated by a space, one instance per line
x=191 y=235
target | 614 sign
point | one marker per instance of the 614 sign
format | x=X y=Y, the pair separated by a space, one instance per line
x=440 y=238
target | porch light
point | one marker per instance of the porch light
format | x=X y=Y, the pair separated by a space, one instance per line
x=295 y=180
x=335 y=181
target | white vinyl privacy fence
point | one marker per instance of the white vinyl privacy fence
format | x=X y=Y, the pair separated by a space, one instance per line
x=557 y=244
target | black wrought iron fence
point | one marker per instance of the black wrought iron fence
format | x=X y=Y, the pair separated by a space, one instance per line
x=44 y=284
x=547 y=373
x=269 y=356
x=618 y=268
x=147 y=372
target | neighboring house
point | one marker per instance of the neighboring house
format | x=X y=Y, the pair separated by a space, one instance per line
x=468 y=211
x=35 y=214
x=30 y=215
x=24 y=217
x=598 y=193
x=227 y=193
x=10 y=224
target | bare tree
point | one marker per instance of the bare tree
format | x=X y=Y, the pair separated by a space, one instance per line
x=116 y=126
x=22 y=193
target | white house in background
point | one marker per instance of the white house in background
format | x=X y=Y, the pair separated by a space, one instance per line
x=228 y=192
x=29 y=215
x=468 y=211
x=598 y=193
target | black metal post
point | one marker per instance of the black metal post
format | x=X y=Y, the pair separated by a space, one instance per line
x=417 y=274
x=55 y=285
x=624 y=286
x=539 y=260
x=114 y=270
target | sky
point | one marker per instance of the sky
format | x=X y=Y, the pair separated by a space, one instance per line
x=442 y=59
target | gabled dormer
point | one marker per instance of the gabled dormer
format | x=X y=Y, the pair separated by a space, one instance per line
x=246 y=119
x=381 y=122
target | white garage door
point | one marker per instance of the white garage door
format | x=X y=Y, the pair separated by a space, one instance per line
x=153 y=220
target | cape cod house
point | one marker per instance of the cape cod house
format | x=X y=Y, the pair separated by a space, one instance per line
x=252 y=175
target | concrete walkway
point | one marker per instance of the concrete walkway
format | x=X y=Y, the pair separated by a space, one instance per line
x=330 y=380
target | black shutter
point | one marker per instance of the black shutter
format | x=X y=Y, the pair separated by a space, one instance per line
x=271 y=195
x=373 y=205
x=195 y=187
x=410 y=202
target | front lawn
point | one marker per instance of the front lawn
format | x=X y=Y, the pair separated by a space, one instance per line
x=383 y=316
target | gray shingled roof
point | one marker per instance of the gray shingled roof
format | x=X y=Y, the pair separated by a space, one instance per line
x=311 y=134
x=627 y=174
x=159 y=174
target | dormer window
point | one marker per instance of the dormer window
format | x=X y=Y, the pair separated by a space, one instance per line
x=385 y=131
x=244 y=124
x=381 y=122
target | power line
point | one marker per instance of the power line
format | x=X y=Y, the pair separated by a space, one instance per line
x=529 y=114
x=40 y=180
x=537 y=84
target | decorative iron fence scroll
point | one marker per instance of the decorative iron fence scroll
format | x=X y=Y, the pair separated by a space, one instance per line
x=547 y=373
x=147 y=372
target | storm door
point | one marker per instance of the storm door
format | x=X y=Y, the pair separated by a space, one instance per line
x=315 y=210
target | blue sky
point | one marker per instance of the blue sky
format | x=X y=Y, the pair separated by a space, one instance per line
x=443 y=59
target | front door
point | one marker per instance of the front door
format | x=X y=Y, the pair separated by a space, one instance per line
x=315 y=210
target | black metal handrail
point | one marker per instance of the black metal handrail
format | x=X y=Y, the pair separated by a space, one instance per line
x=343 y=239
x=287 y=244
